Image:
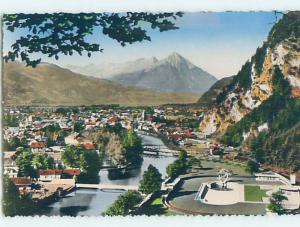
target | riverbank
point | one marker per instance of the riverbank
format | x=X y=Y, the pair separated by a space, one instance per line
x=52 y=191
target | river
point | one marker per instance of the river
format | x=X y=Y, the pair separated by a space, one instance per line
x=91 y=202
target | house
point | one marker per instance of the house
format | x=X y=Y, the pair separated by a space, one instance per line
x=9 y=163
x=55 y=174
x=37 y=147
x=23 y=183
x=39 y=135
x=49 y=174
x=113 y=120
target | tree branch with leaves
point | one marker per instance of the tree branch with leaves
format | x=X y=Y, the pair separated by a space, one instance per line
x=65 y=33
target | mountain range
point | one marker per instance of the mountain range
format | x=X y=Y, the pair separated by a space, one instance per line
x=171 y=74
x=49 y=84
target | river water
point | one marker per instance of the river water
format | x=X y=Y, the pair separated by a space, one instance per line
x=90 y=202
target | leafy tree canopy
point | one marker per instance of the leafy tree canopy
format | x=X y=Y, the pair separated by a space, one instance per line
x=14 y=203
x=10 y=120
x=151 y=181
x=124 y=204
x=252 y=167
x=65 y=33
x=276 y=200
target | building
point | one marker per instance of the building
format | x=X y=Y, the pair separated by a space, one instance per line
x=56 y=174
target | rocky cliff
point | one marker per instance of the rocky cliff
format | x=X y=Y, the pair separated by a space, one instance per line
x=254 y=83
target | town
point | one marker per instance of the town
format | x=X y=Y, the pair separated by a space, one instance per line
x=50 y=152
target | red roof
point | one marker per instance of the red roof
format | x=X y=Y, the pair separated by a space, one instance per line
x=113 y=120
x=38 y=145
x=89 y=146
x=21 y=181
x=59 y=171
x=72 y=171
x=39 y=133
x=50 y=171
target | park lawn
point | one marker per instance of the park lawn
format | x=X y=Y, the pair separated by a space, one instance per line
x=157 y=208
x=254 y=193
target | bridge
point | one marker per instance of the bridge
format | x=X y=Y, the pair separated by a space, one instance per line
x=108 y=186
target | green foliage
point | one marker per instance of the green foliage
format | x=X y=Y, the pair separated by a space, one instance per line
x=54 y=129
x=275 y=205
x=151 y=181
x=287 y=27
x=28 y=163
x=194 y=162
x=15 y=142
x=208 y=98
x=71 y=156
x=43 y=161
x=78 y=126
x=133 y=147
x=266 y=112
x=10 y=120
x=257 y=148
x=243 y=78
x=179 y=166
x=89 y=162
x=252 y=167
x=24 y=163
x=13 y=203
x=62 y=111
x=259 y=58
x=129 y=149
x=219 y=152
x=58 y=34
x=124 y=204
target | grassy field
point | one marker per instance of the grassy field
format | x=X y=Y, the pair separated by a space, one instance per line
x=157 y=208
x=254 y=193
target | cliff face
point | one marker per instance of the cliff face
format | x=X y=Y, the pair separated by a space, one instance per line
x=254 y=84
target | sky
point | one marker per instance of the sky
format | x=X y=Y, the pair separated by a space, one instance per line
x=219 y=43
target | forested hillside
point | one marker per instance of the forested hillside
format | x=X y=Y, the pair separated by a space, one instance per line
x=264 y=96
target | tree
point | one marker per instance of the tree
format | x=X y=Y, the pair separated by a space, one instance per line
x=252 y=167
x=276 y=200
x=133 y=147
x=14 y=143
x=65 y=33
x=78 y=126
x=124 y=204
x=24 y=163
x=151 y=181
x=13 y=202
x=194 y=162
x=10 y=120
x=71 y=156
x=42 y=161
x=90 y=164
x=179 y=166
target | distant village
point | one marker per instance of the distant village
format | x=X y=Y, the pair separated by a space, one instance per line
x=47 y=131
